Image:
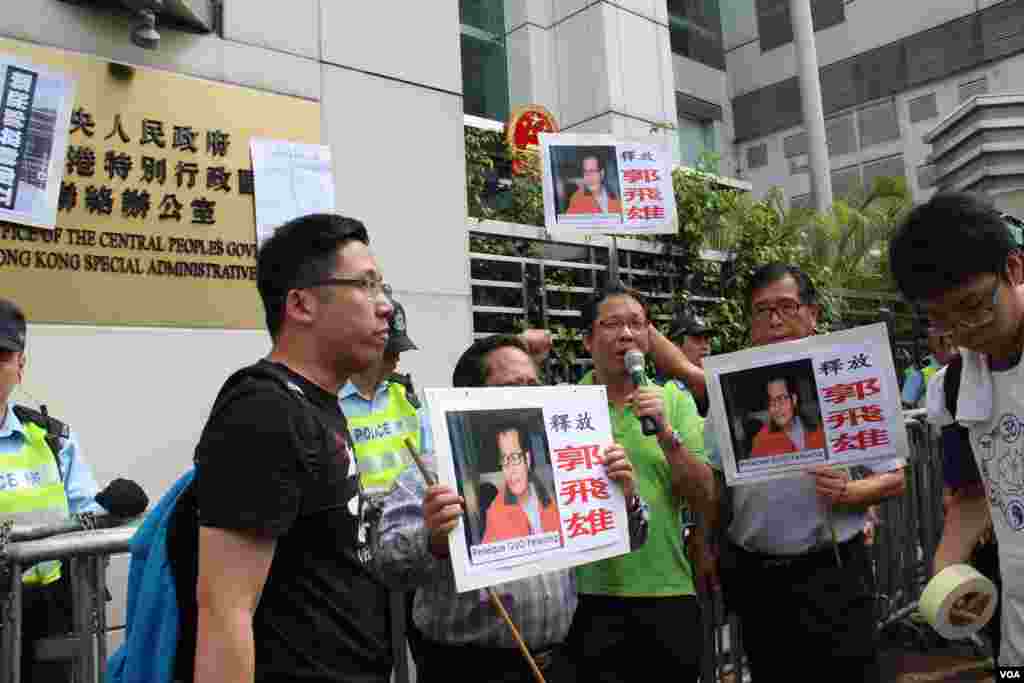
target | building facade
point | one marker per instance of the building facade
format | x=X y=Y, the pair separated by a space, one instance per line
x=890 y=72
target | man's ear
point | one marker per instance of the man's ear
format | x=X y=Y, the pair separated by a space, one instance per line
x=814 y=311
x=300 y=304
x=21 y=366
x=1015 y=267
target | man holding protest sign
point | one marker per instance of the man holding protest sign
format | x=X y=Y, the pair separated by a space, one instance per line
x=793 y=562
x=411 y=548
x=642 y=602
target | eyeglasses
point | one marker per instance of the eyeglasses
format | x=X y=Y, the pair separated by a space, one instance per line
x=977 y=316
x=787 y=308
x=778 y=400
x=636 y=326
x=517 y=458
x=371 y=286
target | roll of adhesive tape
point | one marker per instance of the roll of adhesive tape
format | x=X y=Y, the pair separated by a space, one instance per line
x=948 y=586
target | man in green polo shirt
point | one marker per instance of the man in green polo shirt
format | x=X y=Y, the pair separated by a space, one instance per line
x=642 y=602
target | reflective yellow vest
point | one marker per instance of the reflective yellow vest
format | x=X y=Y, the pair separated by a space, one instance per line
x=379 y=441
x=31 y=492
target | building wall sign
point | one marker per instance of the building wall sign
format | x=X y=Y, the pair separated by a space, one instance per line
x=155 y=216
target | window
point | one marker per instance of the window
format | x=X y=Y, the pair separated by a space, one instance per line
x=878 y=123
x=888 y=167
x=484 y=67
x=973 y=88
x=845 y=182
x=922 y=108
x=840 y=136
x=794 y=145
x=757 y=156
x=695 y=31
x=775 y=28
x=696 y=137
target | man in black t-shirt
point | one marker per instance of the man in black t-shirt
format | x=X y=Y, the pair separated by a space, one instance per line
x=283 y=591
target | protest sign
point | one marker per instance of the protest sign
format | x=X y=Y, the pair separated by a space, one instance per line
x=781 y=409
x=35 y=111
x=528 y=462
x=292 y=179
x=599 y=183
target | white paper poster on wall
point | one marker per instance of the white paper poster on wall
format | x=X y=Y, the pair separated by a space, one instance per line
x=608 y=185
x=291 y=179
x=829 y=399
x=528 y=462
x=35 y=114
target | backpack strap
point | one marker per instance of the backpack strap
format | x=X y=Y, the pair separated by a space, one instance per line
x=57 y=433
x=951 y=384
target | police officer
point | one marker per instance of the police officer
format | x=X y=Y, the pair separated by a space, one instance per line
x=43 y=479
x=382 y=411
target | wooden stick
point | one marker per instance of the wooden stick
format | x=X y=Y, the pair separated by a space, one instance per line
x=431 y=480
x=428 y=476
x=496 y=601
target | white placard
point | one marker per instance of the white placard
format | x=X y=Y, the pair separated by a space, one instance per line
x=609 y=185
x=781 y=409
x=579 y=514
x=291 y=179
x=35 y=114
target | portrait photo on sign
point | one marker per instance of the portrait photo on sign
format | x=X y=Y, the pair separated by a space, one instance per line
x=586 y=181
x=504 y=473
x=773 y=415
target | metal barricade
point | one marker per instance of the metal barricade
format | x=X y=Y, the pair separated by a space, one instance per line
x=905 y=538
x=85 y=556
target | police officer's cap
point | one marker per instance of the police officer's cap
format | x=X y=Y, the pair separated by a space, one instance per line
x=398 y=332
x=12 y=327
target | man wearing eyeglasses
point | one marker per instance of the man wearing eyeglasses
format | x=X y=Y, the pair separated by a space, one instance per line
x=781 y=571
x=954 y=256
x=461 y=632
x=284 y=590
x=643 y=602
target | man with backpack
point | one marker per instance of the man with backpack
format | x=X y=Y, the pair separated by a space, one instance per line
x=283 y=591
x=955 y=256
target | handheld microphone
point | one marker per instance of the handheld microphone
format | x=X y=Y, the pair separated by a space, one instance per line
x=635 y=368
x=123 y=498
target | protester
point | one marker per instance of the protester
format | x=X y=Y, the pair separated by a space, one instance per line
x=916 y=381
x=642 y=604
x=45 y=480
x=954 y=256
x=460 y=634
x=780 y=571
x=284 y=592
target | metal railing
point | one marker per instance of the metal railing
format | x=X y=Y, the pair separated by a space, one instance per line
x=85 y=555
x=906 y=535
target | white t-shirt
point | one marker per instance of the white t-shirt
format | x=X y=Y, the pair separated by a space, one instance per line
x=998 y=445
